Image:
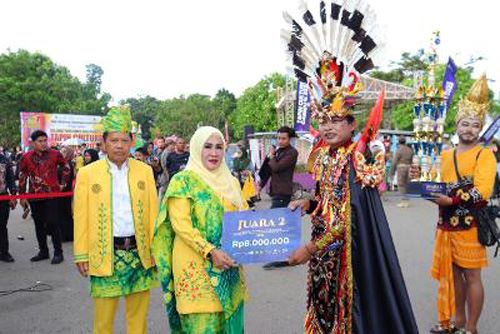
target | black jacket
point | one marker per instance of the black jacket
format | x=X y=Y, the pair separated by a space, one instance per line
x=7 y=179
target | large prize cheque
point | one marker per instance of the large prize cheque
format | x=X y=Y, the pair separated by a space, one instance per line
x=261 y=236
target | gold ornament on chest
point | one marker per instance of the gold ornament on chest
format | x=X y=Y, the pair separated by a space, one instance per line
x=96 y=188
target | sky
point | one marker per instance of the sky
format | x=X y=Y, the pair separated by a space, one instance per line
x=166 y=48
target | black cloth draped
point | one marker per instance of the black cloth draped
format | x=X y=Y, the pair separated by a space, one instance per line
x=381 y=301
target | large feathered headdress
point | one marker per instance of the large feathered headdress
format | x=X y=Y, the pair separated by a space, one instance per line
x=330 y=51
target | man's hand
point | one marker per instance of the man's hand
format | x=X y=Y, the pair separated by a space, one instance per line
x=303 y=204
x=221 y=260
x=272 y=152
x=83 y=268
x=302 y=254
x=13 y=203
x=442 y=200
x=24 y=203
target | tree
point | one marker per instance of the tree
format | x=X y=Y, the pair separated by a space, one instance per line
x=33 y=82
x=256 y=106
x=94 y=76
x=182 y=116
x=144 y=111
x=225 y=101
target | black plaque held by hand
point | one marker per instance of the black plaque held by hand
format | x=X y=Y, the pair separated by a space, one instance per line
x=426 y=189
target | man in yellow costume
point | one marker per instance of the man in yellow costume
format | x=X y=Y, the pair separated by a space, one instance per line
x=115 y=207
x=469 y=171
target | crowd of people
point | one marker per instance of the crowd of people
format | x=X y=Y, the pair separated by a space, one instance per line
x=157 y=215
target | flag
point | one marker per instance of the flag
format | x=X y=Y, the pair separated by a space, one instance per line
x=449 y=84
x=302 y=113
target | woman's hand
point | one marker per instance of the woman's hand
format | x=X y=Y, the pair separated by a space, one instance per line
x=221 y=260
x=303 y=204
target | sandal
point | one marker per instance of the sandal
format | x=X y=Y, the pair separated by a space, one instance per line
x=443 y=329
x=463 y=331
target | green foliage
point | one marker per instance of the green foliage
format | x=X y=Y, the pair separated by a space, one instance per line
x=256 y=106
x=225 y=102
x=33 y=82
x=182 y=116
x=144 y=111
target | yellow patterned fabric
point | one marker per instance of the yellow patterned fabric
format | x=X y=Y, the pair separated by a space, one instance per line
x=193 y=290
x=462 y=247
x=188 y=226
x=93 y=233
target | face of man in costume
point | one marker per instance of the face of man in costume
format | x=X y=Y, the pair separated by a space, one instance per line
x=212 y=152
x=117 y=145
x=468 y=130
x=336 y=131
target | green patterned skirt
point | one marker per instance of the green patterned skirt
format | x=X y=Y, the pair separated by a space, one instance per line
x=213 y=323
x=129 y=276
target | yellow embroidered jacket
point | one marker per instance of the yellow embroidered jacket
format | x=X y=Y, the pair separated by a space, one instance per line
x=93 y=236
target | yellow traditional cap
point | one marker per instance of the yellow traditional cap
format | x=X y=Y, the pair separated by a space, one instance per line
x=118 y=119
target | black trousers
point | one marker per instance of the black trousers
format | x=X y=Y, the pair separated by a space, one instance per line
x=280 y=201
x=46 y=214
x=4 y=218
x=66 y=218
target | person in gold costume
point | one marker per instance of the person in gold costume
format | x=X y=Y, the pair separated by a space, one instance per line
x=469 y=171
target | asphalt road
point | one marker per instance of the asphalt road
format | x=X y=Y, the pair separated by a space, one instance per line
x=277 y=301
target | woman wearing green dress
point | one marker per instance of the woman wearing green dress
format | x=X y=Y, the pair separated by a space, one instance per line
x=204 y=289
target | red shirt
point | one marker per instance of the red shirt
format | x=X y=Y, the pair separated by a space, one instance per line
x=41 y=171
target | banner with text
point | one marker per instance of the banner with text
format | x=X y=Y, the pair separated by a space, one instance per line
x=302 y=114
x=261 y=236
x=62 y=129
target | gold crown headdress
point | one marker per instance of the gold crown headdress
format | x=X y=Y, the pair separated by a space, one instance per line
x=330 y=51
x=476 y=103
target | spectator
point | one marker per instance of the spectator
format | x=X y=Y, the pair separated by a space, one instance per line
x=39 y=167
x=90 y=155
x=281 y=164
x=100 y=150
x=177 y=160
x=165 y=177
x=401 y=163
x=79 y=160
x=65 y=211
x=241 y=162
x=160 y=146
x=7 y=185
x=141 y=154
